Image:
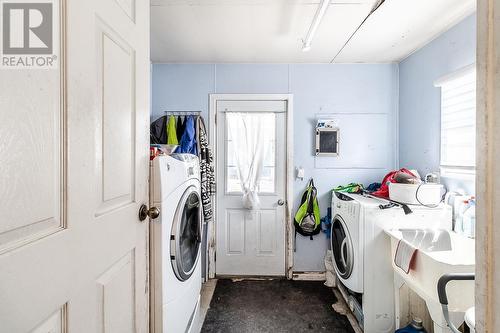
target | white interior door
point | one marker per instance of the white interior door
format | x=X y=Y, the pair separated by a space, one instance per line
x=73 y=173
x=251 y=242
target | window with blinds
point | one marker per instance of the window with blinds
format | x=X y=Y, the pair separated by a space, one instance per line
x=458 y=121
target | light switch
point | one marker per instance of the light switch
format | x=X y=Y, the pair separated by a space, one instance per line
x=300 y=173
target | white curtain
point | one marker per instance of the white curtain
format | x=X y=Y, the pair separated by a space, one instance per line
x=248 y=132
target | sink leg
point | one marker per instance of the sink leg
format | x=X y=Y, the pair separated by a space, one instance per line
x=398 y=283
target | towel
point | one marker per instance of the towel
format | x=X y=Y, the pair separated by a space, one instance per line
x=207 y=176
x=158 y=131
x=180 y=127
x=188 y=143
x=405 y=254
x=172 y=131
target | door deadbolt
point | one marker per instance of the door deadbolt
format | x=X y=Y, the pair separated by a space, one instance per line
x=152 y=212
x=281 y=202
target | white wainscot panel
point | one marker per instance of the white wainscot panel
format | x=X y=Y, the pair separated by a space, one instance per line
x=115 y=290
x=365 y=142
x=117 y=167
x=128 y=7
x=31 y=156
x=267 y=233
x=56 y=323
x=235 y=231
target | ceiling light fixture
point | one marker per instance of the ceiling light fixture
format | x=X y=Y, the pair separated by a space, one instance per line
x=323 y=6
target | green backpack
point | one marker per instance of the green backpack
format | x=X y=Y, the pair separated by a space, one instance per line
x=307 y=219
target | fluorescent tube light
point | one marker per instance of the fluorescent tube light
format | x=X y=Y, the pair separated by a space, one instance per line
x=323 y=6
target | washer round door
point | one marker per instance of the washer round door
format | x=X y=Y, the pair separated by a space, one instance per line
x=342 y=249
x=185 y=238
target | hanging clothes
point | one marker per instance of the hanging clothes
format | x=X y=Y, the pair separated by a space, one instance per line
x=188 y=139
x=158 y=131
x=180 y=126
x=207 y=174
x=349 y=188
x=172 y=131
x=383 y=191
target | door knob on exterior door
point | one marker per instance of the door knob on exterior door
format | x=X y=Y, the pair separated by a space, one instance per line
x=152 y=212
x=281 y=202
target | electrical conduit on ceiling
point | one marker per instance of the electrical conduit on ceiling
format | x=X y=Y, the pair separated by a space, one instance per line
x=377 y=6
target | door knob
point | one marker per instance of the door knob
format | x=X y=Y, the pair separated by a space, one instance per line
x=152 y=212
x=281 y=202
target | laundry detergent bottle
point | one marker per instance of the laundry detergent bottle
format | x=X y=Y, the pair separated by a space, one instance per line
x=416 y=326
x=463 y=205
x=469 y=220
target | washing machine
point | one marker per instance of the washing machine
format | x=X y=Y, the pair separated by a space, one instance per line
x=362 y=253
x=175 y=242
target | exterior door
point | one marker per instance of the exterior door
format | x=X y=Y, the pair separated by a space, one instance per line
x=251 y=241
x=73 y=173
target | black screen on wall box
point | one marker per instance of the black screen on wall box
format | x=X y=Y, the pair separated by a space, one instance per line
x=328 y=142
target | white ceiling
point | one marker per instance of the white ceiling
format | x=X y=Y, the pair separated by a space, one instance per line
x=271 y=31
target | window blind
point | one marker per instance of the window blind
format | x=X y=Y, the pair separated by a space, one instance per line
x=458 y=121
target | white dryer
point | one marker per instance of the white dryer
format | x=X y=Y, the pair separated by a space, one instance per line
x=362 y=253
x=175 y=241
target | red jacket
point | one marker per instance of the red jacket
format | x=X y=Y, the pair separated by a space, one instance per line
x=383 y=191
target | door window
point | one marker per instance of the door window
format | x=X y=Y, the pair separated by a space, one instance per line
x=342 y=248
x=256 y=123
x=187 y=235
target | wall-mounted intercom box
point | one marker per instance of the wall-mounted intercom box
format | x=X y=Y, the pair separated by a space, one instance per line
x=327 y=138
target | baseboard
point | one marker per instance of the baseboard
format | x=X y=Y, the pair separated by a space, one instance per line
x=207 y=292
x=309 y=276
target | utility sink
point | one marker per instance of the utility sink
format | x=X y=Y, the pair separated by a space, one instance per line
x=439 y=252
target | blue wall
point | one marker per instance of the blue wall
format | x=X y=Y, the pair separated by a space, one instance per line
x=362 y=98
x=420 y=101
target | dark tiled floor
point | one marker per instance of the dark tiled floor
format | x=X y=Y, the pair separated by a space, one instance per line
x=273 y=306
